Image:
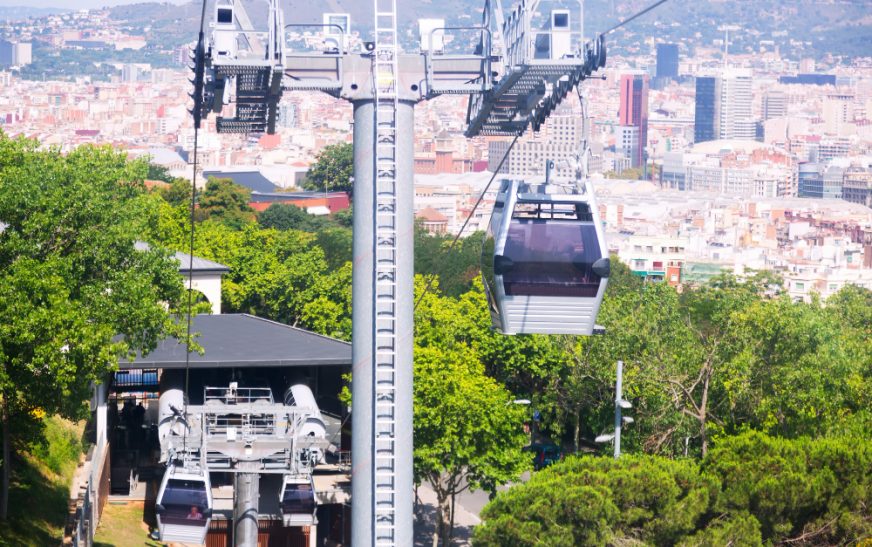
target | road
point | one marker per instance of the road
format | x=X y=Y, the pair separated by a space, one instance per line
x=468 y=507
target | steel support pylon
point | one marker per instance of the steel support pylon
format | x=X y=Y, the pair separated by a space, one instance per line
x=382 y=331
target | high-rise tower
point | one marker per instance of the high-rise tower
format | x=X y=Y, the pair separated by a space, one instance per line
x=723 y=107
x=634 y=113
x=735 y=119
x=667 y=61
x=705 y=124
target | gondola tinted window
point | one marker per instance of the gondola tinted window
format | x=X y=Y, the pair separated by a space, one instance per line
x=225 y=15
x=550 y=258
x=298 y=499
x=181 y=497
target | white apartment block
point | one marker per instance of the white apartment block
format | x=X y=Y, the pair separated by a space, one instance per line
x=736 y=121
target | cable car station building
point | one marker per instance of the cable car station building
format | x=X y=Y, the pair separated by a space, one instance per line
x=250 y=433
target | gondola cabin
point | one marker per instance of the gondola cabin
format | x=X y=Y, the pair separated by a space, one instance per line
x=297 y=501
x=544 y=261
x=184 y=505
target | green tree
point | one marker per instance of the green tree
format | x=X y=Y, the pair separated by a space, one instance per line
x=799 y=369
x=332 y=170
x=344 y=218
x=284 y=216
x=158 y=172
x=751 y=489
x=467 y=432
x=598 y=501
x=337 y=244
x=734 y=529
x=280 y=275
x=178 y=193
x=803 y=491
x=457 y=268
x=225 y=201
x=71 y=279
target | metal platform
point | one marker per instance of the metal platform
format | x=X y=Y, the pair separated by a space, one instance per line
x=540 y=67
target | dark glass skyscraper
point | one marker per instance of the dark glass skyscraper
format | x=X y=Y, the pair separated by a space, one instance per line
x=667 y=61
x=705 y=122
x=7 y=53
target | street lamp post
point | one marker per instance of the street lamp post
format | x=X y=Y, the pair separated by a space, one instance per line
x=620 y=404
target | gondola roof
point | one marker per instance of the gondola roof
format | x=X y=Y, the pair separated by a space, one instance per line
x=242 y=340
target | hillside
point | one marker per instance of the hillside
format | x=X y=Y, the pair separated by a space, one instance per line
x=17 y=13
x=799 y=28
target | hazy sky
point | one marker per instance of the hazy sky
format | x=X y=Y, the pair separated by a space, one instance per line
x=76 y=4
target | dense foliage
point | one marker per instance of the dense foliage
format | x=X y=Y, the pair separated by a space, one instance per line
x=701 y=366
x=333 y=169
x=769 y=399
x=71 y=280
x=751 y=489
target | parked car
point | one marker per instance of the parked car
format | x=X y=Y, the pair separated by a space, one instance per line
x=544 y=454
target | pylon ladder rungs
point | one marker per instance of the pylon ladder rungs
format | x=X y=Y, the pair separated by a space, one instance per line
x=385 y=72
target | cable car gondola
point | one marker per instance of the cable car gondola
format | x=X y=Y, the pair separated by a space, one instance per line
x=297 y=501
x=184 y=504
x=544 y=262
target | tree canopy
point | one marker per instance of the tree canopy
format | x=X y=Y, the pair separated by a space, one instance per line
x=333 y=169
x=286 y=216
x=751 y=489
x=72 y=278
x=467 y=432
x=225 y=201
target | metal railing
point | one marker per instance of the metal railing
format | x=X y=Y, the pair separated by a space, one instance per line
x=238 y=395
x=88 y=503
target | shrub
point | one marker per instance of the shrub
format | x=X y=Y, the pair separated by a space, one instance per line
x=60 y=445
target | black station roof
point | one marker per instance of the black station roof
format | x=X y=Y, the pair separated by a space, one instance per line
x=242 y=340
x=253 y=180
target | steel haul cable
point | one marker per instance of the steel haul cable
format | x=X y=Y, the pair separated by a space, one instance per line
x=197 y=112
x=469 y=217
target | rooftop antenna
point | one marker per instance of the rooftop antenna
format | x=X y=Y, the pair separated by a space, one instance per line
x=727 y=29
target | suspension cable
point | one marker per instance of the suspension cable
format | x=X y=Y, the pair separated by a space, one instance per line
x=469 y=217
x=639 y=14
x=198 y=108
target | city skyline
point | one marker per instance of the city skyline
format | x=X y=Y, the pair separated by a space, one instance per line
x=80 y=4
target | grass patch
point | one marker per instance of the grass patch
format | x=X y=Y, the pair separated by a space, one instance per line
x=61 y=448
x=123 y=525
x=40 y=486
